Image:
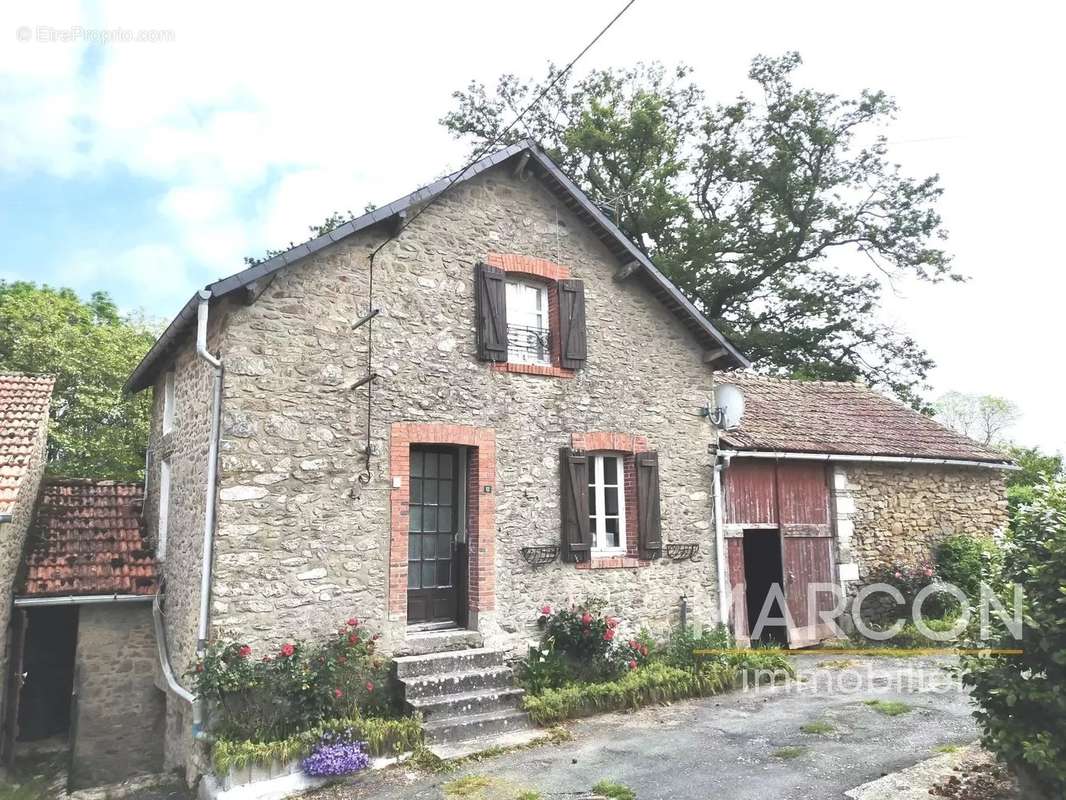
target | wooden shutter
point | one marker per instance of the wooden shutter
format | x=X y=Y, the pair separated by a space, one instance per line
x=572 y=339
x=574 y=505
x=491 y=301
x=649 y=527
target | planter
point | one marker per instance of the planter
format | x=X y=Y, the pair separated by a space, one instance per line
x=274 y=781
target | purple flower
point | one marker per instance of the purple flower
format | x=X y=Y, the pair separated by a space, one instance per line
x=336 y=754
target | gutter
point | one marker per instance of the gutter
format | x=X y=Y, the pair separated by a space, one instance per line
x=82 y=600
x=787 y=456
x=164 y=663
x=5 y=518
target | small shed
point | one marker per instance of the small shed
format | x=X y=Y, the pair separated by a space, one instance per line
x=824 y=482
x=83 y=645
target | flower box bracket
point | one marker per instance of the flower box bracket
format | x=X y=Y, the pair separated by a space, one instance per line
x=540 y=554
x=686 y=551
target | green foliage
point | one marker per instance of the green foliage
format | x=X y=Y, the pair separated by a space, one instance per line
x=680 y=649
x=983 y=417
x=466 y=786
x=332 y=222
x=384 y=737
x=91 y=349
x=754 y=208
x=890 y=708
x=296 y=688
x=613 y=790
x=1021 y=698
x=542 y=669
x=817 y=728
x=966 y=561
x=790 y=753
x=1036 y=467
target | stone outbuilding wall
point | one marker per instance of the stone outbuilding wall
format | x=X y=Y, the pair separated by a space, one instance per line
x=118 y=715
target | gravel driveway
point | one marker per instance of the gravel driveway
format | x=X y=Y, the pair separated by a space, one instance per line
x=746 y=745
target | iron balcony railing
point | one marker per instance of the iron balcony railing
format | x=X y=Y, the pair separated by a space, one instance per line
x=529 y=343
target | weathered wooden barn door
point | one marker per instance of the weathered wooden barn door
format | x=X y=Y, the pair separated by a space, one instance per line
x=806 y=549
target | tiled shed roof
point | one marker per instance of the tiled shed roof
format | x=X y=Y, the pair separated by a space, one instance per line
x=840 y=418
x=87 y=538
x=24 y=406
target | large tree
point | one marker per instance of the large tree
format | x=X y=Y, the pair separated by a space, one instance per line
x=90 y=348
x=781 y=216
x=983 y=417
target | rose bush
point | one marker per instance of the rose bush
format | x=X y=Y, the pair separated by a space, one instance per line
x=295 y=686
x=581 y=643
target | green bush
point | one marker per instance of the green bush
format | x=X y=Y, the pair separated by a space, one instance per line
x=966 y=561
x=1022 y=698
x=680 y=649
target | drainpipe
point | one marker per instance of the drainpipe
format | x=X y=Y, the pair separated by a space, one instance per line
x=209 y=490
x=724 y=591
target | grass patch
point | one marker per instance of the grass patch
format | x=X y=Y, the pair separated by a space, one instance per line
x=820 y=727
x=890 y=708
x=529 y=794
x=836 y=663
x=614 y=790
x=467 y=786
x=789 y=753
x=948 y=748
x=426 y=761
x=31 y=777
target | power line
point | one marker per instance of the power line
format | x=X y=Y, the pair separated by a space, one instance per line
x=365 y=477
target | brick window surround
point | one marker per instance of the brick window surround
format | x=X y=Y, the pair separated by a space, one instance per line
x=539 y=269
x=480 y=512
x=627 y=445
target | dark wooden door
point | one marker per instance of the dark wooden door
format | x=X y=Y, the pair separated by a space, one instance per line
x=16 y=647
x=432 y=573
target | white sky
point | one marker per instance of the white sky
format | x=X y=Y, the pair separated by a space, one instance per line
x=259 y=120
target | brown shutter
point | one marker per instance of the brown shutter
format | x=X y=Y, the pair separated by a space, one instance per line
x=649 y=526
x=491 y=301
x=572 y=341
x=574 y=505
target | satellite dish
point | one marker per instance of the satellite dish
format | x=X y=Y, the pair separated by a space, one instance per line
x=728 y=406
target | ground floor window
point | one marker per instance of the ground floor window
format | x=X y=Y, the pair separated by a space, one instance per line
x=607 y=508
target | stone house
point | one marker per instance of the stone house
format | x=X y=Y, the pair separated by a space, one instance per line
x=84 y=648
x=440 y=416
x=826 y=481
x=25 y=403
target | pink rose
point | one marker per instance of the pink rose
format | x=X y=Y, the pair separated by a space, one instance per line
x=608 y=634
x=546 y=610
x=353 y=622
x=338 y=693
x=633 y=664
x=287 y=650
x=586 y=618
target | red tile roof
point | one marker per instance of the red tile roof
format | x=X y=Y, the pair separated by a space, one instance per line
x=88 y=538
x=24 y=404
x=840 y=418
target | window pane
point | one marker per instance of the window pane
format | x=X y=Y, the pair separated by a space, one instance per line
x=592 y=501
x=444 y=519
x=429 y=573
x=416 y=490
x=610 y=501
x=444 y=573
x=592 y=470
x=610 y=471
x=414 y=547
x=413 y=573
x=444 y=545
x=429 y=494
x=429 y=519
x=417 y=462
x=416 y=518
x=445 y=465
x=429 y=549
x=445 y=493
x=611 y=523
x=431 y=465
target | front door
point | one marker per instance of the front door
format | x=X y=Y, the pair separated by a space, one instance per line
x=432 y=569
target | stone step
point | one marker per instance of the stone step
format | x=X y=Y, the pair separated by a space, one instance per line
x=457 y=682
x=476 y=702
x=450 y=661
x=420 y=643
x=475 y=726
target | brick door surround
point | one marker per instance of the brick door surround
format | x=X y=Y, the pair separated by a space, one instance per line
x=481 y=509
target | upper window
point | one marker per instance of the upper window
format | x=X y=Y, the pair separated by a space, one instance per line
x=164 y=510
x=527 y=323
x=168 y=402
x=607 y=508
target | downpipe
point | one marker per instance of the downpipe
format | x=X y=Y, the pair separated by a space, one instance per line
x=724 y=591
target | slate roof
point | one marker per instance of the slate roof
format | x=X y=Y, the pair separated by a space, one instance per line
x=87 y=538
x=840 y=418
x=544 y=168
x=24 y=405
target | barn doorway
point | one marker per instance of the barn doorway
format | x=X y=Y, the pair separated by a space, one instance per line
x=763 y=571
x=47 y=680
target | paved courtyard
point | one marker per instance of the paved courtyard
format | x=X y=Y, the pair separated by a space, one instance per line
x=746 y=745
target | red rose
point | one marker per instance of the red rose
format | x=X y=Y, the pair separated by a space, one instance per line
x=608 y=634
x=634 y=644
x=287 y=650
x=546 y=610
x=338 y=693
x=644 y=650
x=370 y=686
x=353 y=639
x=586 y=618
x=611 y=622
x=245 y=651
x=633 y=664
x=353 y=622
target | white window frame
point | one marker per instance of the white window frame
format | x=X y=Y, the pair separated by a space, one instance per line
x=164 y=510
x=598 y=521
x=541 y=320
x=168 y=402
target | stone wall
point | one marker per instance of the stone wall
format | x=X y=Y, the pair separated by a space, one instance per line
x=118 y=717
x=13 y=543
x=302 y=545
